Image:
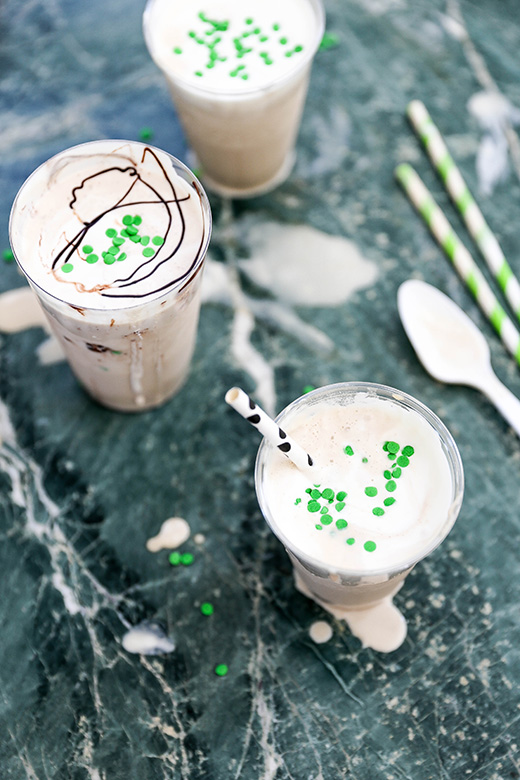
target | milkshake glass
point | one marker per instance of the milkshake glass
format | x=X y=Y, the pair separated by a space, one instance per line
x=238 y=74
x=385 y=490
x=112 y=237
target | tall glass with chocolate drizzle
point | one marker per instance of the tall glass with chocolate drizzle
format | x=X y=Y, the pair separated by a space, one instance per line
x=112 y=237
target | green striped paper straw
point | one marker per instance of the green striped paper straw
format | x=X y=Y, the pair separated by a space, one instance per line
x=459 y=256
x=464 y=201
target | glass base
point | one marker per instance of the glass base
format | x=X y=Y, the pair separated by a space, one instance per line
x=251 y=192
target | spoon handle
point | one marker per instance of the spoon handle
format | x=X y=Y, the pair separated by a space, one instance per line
x=505 y=401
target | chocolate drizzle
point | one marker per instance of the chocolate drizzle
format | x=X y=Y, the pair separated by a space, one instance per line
x=127 y=286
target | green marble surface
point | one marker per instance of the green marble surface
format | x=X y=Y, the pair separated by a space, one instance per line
x=83 y=489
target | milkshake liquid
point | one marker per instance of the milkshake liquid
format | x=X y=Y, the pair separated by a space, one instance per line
x=238 y=73
x=386 y=490
x=112 y=237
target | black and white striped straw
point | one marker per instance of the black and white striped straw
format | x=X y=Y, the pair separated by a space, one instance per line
x=244 y=405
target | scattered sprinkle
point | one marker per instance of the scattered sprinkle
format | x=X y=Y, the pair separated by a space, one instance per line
x=371 y=491
x=206 y=608
x=221 y=670
x=8 y=255
x=146 y=133
x=329 y=41
x=348 y=450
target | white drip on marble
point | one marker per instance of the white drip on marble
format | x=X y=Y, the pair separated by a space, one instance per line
x=381 y=627
x=173 y=532
x=147 y=638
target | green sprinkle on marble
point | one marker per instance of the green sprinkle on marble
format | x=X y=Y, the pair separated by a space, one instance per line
x=389 y=501
x=370 y=546
x=378 y=511
x=390 y=485
x=351 y=541
x=408 y=451
x=341 y=523
x=8 y=255
x=187 y=559
x=371 y=491
x=145 y=134
x=329 y=41
x=348 y=450
x=221 y=670
x=206 y=608
x=174 y=558
x=308 y=389
x=313 y=506
x=88 y=249
x=67 y=268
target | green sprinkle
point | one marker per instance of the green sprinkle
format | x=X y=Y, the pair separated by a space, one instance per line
x=122 y=256
x=341 y=523
x=187 y=559
x=408 y=451
x=392 y=446
x=206 y=608
x=88 y=249
x=396 y=473
x=249 y=21
x=389 y=501
x=67 y=268
x=149 y=252
x=8 y=255
x=348 y=450
x=283 y=41
x=144 y=240
x=111 y=233
x=135 y=239
x=403 y=461
x=263 y=38
x=145 y=134
x=328 y=493
x=298 y=49
x=364 y=460
x=313 y=506
x=108 y=259
x=324 y=510
x=174 y=558
x=340 y=506
x=131 y=230
x=390 y=485
x=370 y=546
x=113 y=250
x=298 y=501
x=378 y=511
x=177 y=50
x=276 y=27
x=308 y=389
x=351 y=541
x=124 y=233
x=127 y=220
x=137 y=220
x=221 y=670
x=92 y=259
x=158 y=240
x=118 y=241
x=308 y=490
x=329 y=41
x=326 y=519
x=371 y=491
x=199 y=73
x=387 y=474
x=314 y=493
x=392 y=456
x=318 y=527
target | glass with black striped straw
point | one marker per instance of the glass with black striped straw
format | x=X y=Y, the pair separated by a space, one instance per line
x=250 y=411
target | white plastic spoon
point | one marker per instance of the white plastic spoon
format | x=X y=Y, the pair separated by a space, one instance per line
x=450 y=346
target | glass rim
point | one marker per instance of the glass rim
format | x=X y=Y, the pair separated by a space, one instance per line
x=450 y=451
x=250 y=91
x=190 y=178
